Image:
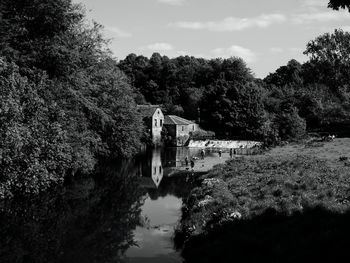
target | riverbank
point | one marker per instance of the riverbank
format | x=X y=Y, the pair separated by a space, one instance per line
x=293 y=182
x=201 y=165
x=209 y=161
x=226 y=144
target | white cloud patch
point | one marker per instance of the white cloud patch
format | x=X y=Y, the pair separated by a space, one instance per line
x=313 y=3
x=345 y=28
x=296 y=50
x=118 y=32
x=320 y=17
x=276 y=50
x=233 y=23
x=172 y=2
x=235 y=51
x=159 y=47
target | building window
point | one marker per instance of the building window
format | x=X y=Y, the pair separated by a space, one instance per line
x=155 y=122
x=183 y=128
x=155 y=170
x=160 y=169
x=161 y=122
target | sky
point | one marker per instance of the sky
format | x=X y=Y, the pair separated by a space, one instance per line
x=265 y=33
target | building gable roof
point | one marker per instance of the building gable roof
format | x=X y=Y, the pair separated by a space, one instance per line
x=176 y=120
x=147 y=110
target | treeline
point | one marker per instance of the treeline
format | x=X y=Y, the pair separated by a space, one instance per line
x=63 y=101
x=228 y=99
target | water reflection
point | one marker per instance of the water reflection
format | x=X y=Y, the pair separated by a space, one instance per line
x=150 y=168
x=126 y=213
x=89 y=221
x=161 y=209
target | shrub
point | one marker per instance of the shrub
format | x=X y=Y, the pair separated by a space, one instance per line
x=202 y=135
x=290 y=125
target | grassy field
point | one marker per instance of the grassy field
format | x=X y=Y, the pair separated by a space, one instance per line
x=314 y=148
x=287 y=183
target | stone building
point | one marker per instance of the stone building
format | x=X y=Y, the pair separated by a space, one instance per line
x=179 y=129
x=154 y=120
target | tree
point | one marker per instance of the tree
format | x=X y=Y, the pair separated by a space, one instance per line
x=330 y=59
x=68 y=79
x=34 y=148
x=44 y=34
x=286 y=75
x=233 y=109
x=290 y=125
x=337 y=4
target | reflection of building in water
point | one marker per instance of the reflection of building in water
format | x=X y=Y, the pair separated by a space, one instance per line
x=151 y=170
x=175 y=157
x=157 y=169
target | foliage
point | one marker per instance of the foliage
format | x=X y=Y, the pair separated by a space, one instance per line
x=286 y=75
x=329 y=59
x=76 y=94
x=290 y=125
x=34 y=148
x=186 y=86
x=319 y=88
x=337 y=4
x=202 y=134
x=235 y=109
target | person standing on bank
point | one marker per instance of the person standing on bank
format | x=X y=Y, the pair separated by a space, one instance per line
x=186 y=160
x=220 y=152
x=192 y=164
x=202 y=154
x=231 y=152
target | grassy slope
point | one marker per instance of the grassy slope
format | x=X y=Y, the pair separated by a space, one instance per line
x=286 y=179
x=293 y=202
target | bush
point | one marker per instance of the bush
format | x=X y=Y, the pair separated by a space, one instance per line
x=290 y=125
x=34 y=152
x=202 y=135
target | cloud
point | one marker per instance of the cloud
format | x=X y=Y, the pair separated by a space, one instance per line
x=296 y=49
x=320 y=17
x=313 y=3
x=345 y=28
x=118 y=32
x=235 y=51
x=159 y=47
x=172 y=2
x=233 y=23
x=276 y=50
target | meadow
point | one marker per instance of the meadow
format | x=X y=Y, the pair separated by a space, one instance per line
x=271 y=202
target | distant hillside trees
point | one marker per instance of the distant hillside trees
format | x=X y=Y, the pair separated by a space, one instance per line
x=220 y=92
x=227 y=98
x=319 y=89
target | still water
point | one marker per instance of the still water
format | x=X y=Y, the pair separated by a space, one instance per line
x=126 y=212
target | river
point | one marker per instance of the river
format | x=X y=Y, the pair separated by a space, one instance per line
x=126 y=212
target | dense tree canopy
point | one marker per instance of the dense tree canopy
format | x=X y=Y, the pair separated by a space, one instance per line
x=330 y=59
x=337 y=4
x=319 y=89
x=66 y=102
x=184 y=85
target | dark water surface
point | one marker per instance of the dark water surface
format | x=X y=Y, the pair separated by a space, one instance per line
x=126 y=212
